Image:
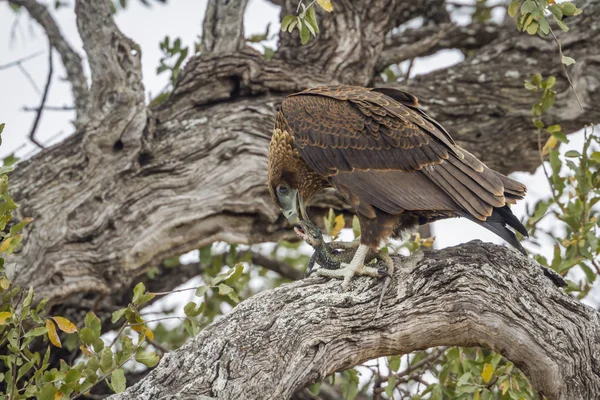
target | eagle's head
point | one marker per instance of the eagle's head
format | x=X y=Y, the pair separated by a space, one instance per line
x=292 y=183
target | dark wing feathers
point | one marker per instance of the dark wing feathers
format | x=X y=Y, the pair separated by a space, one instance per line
x=380 y=146
x=381 y=189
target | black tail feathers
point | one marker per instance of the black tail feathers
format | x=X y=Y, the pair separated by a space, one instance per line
x=497 y=222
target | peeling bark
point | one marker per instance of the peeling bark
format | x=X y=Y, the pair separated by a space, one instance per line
x=474 y=294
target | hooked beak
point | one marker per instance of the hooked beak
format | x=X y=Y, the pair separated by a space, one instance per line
x=295 y=209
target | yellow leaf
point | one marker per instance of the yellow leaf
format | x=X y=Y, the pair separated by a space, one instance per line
x=5 y=283
x=4 y=315
x=476 y=395
x=550 y=144
x=325 y=5
x=145 y=330
x=428 y=242
x=488 y=372
x=338 y=224
x=58 y=395
x=52 y=335
x=86 y=351
x=149 y=334
x=65 y=325
x=5 y=244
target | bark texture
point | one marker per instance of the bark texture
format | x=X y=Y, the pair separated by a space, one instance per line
x=134 y=186
x=474 y=294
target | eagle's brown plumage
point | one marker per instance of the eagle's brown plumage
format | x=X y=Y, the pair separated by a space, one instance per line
x=393 y=163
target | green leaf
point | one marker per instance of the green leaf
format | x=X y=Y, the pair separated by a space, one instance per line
x=553 y=128
x=293 y=24
x=311 y=18
x=190 y=309
x=350 y=385
x=87 y=336
x=138 y=291
x=47 y=392
x=567 y=60
x=561 y=137
x=93 y=322
x=394 y=363
x=544 y=26
x=572 y=153
x=148 y=359
x=532 y=28
x=224 y=289
x=118 y=381
x=560 y=24
x=391 y=385
x=596 y=156
x=569 y=9
x=527 y=7
x=556 y=11
x=550 y=82
x=106 y=360
x=39 y=331
x=201 y=291
x=73 y=376
x=513 y=8
x=530 y=86
x=285 y=23
x=304 y=34
x=29 y=297
x=117 y=315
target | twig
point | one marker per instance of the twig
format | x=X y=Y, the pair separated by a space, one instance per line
x=44 y=97
x=564 y=67
x=49 y=108
x=282 y=268
x=158 y=346
x=21 y=60
x=29 y=78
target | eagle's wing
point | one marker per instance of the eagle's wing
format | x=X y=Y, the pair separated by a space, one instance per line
x=379 y=149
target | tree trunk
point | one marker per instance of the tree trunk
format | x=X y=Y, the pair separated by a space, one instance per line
x=474 y=294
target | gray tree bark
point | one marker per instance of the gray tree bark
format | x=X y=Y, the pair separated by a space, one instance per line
x=134 y=186
x=474 y=294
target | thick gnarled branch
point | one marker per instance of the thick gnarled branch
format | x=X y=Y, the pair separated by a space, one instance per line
x=474 y=294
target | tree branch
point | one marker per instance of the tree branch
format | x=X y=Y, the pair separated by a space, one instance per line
x=70 y=59
x=117 y=92
x=474 y=294
x=429 y=39
x=223 y=28
x=43 y=101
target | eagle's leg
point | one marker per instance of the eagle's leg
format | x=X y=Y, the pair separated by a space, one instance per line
x=355 y=267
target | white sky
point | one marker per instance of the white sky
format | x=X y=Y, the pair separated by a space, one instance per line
x=148 y=26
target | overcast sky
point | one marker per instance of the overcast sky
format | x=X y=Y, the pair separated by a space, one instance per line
x=20 y=37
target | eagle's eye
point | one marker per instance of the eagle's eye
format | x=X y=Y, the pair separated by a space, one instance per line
x=282 y=190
